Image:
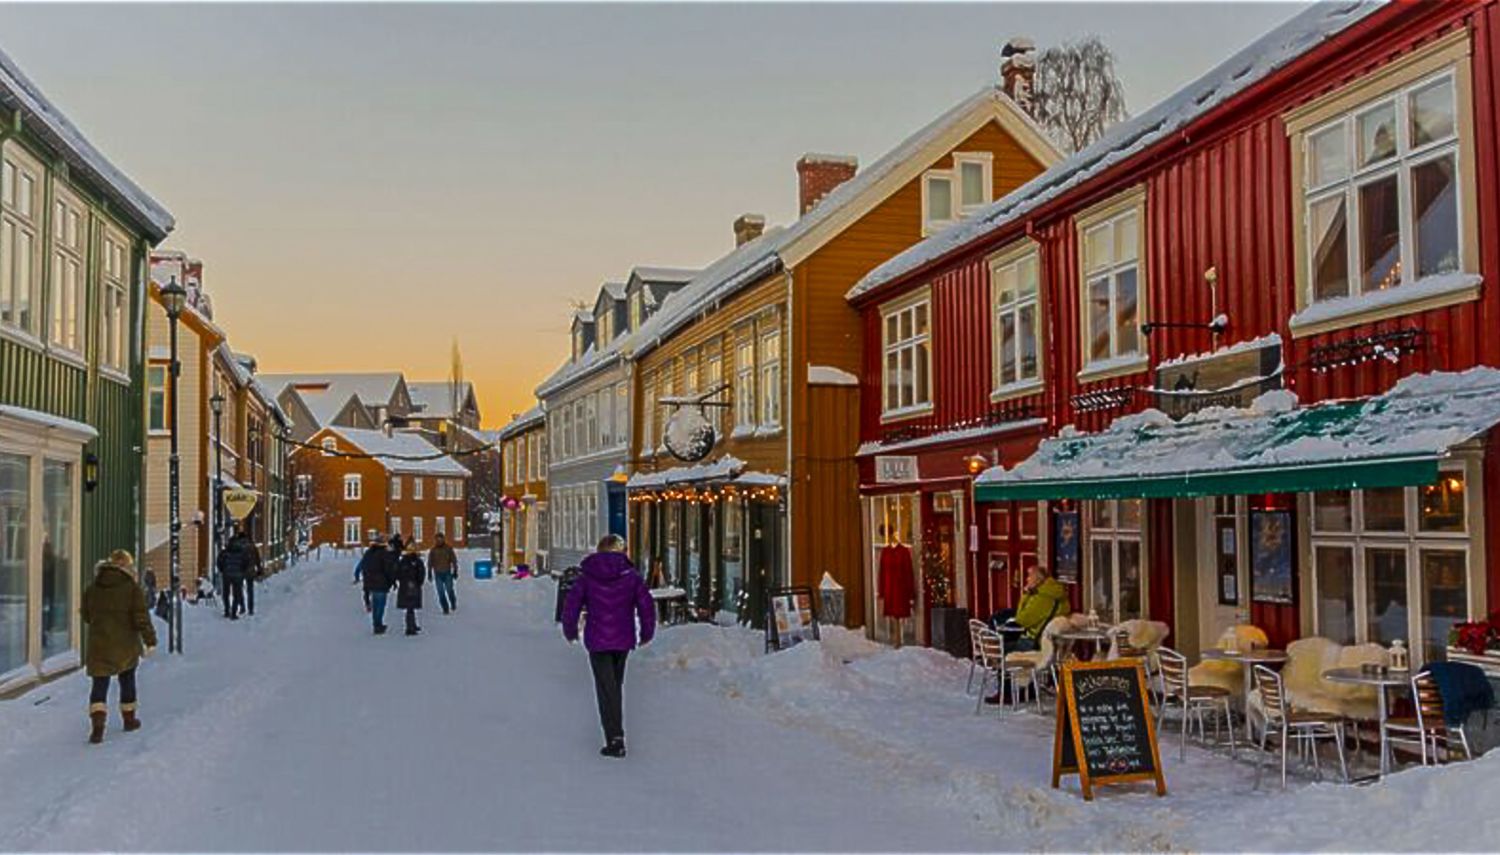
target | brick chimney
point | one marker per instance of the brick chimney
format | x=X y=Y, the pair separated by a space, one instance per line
x=748 y=227
x=1018 y=70
x=819 y=174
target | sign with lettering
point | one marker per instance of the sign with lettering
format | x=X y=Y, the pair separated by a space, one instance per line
x=1105 y=733
x=240 y=502
x=1231 y=378
x=895 y=469
x=791 y=618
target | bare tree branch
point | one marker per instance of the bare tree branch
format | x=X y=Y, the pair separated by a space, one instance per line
x=1076 y=93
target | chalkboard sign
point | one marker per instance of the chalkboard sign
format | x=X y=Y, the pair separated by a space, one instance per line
x=791 y=617
x=1104 y=721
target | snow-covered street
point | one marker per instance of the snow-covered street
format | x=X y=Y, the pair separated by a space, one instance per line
x=298 y=730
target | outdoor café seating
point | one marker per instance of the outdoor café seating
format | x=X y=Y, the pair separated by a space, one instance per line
x=1006 y=672
x=1287 y=723
x=1428 y=728
x=1190 y=702
x=1227 y=674
x=976 y=656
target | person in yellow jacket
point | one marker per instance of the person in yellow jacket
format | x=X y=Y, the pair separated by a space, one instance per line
x=1043 y=599
x=120 y=630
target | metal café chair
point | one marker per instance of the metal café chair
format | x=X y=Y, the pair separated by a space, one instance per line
x=1288 y=724
x=975 y=627
x=1427 y=729
x=992 y=661
x=1191 y=701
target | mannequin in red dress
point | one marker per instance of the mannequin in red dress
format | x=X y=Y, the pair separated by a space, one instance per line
x=897 y=584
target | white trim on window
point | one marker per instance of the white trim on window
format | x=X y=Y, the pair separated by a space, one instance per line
x=906 y=356
x=1016 y=367
x=979 y=165
x=353 y=488
x=932 y=180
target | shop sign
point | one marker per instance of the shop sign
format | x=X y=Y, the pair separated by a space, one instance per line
x=239 y=502
x=895 y=469
x=790 y=618
x=1104 y=732
x=1231 y=378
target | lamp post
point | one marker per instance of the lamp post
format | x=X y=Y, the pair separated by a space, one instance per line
x=173 y=298
x=216 y=404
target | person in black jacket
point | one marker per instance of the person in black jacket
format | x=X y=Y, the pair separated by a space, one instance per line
x=411 y=575
x=236 y=560
x=379 y=575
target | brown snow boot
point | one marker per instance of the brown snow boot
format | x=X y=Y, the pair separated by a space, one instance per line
x=97 y=720
x=127 y=715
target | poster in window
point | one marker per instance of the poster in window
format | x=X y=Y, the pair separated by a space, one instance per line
x=1271 y=557
x=1066 y=528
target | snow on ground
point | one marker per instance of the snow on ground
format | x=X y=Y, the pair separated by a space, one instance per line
x=298 y=730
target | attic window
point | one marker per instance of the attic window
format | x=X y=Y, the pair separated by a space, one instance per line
x=975 y=182
x=937 y=200
x=329 y=446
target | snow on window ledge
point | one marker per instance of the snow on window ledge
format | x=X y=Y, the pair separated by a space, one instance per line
x=1010 y=391
x=1431 y=292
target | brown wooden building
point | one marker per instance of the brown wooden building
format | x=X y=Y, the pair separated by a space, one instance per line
x=766 y=332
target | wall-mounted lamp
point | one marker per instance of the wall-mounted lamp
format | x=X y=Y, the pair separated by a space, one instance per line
x=90 y=471
x=976 y=463
x=1218 y=326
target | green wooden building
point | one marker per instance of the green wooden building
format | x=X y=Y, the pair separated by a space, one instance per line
x=75 y=234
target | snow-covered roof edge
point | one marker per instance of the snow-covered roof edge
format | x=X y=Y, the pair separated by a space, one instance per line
x=528 y=419
x=19 y=92
x=1130 y=138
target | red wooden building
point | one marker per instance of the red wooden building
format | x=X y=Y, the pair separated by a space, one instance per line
x=1317 y=215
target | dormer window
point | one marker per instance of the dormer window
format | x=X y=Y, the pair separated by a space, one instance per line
x=637 y=310
x=937 y=200
x=951 y=194
x=975 y=181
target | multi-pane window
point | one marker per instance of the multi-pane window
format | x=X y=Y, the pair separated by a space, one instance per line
x=69 y=235
x=1392 y=563
x=533 y=457
x=1381 y=190
x=329 y=444
x=20 y=227
x=439 y=526
x=606 y=408
x=1014 y=285
x=713 y=378
x=395 y=525
x=416 y=529
x=353 y=487
x=580 y=429
x=351 y=531
x=591 y=421
x=396 y=487
x=975 y=185
x=304 y=487
x=664 y=411
x=648 y=415
x=1112 y=287
x=416 y=486
x=770 y=378
x=937 y=199
x=568 y=449
x=744 y=381
x=157 y=415
x=622 y=413
x=1115 y=566
x=115 y=298
x=907 y=362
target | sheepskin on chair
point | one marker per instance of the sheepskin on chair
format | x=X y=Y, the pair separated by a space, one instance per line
x=1041 y=658
x=1144 y=635
x=1309 y=658
x=1226 y=674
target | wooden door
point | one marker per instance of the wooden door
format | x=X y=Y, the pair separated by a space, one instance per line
x=1012 y=538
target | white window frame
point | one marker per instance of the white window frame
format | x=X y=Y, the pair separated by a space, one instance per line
x=439 y=526
x=1014 y=261
x=929 y=224
x=648 y=414
x=770 y=377
x=744 y=379
x=908 y=310
x=985 y=162
x=395 y=525
x=622 y=414
x=114 y=291
x=152 y=391
x=353 y=487
x=417 y=486
x=353 y=524
x=304 y=488
x=1411 y=541
x=65 y=309
x=328 y=444
x=1117 y=213
x=17 y=221
x=1115 y=534
x=458 y=529
x=395 y=488
x=416 y=529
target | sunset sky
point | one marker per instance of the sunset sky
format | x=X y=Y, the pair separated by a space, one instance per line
x=365 y=183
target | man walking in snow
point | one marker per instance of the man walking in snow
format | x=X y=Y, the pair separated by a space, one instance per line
x=615 y=598
x=443 y=563
x=235 y=563
x=379 y=577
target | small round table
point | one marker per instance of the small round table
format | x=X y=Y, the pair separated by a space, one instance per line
x=1248 y=659
x=1097 y=636
x=1380 y=680
x=671 y=604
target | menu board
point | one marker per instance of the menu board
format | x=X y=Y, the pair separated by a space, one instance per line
x=1105 y=733
x=790 y=617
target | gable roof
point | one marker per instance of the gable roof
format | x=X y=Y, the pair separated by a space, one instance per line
x=521 y=423
x=326 y=407
x=432 y=399
x=375 y=388
x=402 y=444
x=41 y=116
x=1130 y=138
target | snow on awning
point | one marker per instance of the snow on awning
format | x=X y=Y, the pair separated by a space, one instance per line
x=724 y=469
x=1392 y=440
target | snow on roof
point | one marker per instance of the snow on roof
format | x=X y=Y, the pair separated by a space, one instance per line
x=433 y=399
x=326 y=406
x=375 y=388
x=583 y=316
x=1129 y=138
x=664 y=274
x=402 y=444
x=830 y=375
x=530 y=418
x=18 y=92
x=1421 y=417
x=616 y=290
x=1271 y=340
x=721 y=469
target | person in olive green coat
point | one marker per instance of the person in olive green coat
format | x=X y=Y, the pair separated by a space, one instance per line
x=1043 y=599
x=119 y=627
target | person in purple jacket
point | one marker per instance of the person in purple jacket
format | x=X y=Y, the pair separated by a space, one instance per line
x=615 y=597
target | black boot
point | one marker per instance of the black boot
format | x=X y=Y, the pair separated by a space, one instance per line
x=614 y=748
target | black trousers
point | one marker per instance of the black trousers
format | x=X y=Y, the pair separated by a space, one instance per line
x=234 y=597
x=411 y=620
x=609 y=687
x=250 y=592
x=99 y=692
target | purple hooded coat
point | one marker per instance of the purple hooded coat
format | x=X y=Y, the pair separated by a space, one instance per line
x=615 y=596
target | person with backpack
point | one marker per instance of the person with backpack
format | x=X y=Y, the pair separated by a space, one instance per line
x=442 y=562
x=411 y=575
x=235 y=561
x=379 y=575
x=120 y=631
x=615 y=597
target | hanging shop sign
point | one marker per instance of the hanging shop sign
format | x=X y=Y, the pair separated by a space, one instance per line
x=689 y=434
x=1105 y=733
x=240 y=502
x=896 y=469
x=1229 y=378
x=791 y=618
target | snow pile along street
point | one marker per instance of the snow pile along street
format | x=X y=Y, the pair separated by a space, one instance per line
x=299 y=730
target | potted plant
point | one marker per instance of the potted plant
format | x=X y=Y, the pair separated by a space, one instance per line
x=1477 y=642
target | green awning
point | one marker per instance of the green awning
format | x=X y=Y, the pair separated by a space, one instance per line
x=1392 y=440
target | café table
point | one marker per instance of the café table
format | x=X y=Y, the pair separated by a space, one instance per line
x=1099 y=637
x=1381 y=679
x=1248 y=659
x=671 y=604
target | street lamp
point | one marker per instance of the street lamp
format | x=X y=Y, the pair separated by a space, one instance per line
x=174 y=298
x=216 y=404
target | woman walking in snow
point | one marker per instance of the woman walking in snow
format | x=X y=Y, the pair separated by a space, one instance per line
x=615 y=597
x=114 y=609
x=411 y=575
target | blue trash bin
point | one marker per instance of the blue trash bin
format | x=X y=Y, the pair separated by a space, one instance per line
x=484 y=569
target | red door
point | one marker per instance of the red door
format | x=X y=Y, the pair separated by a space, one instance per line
x=1011 y=548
